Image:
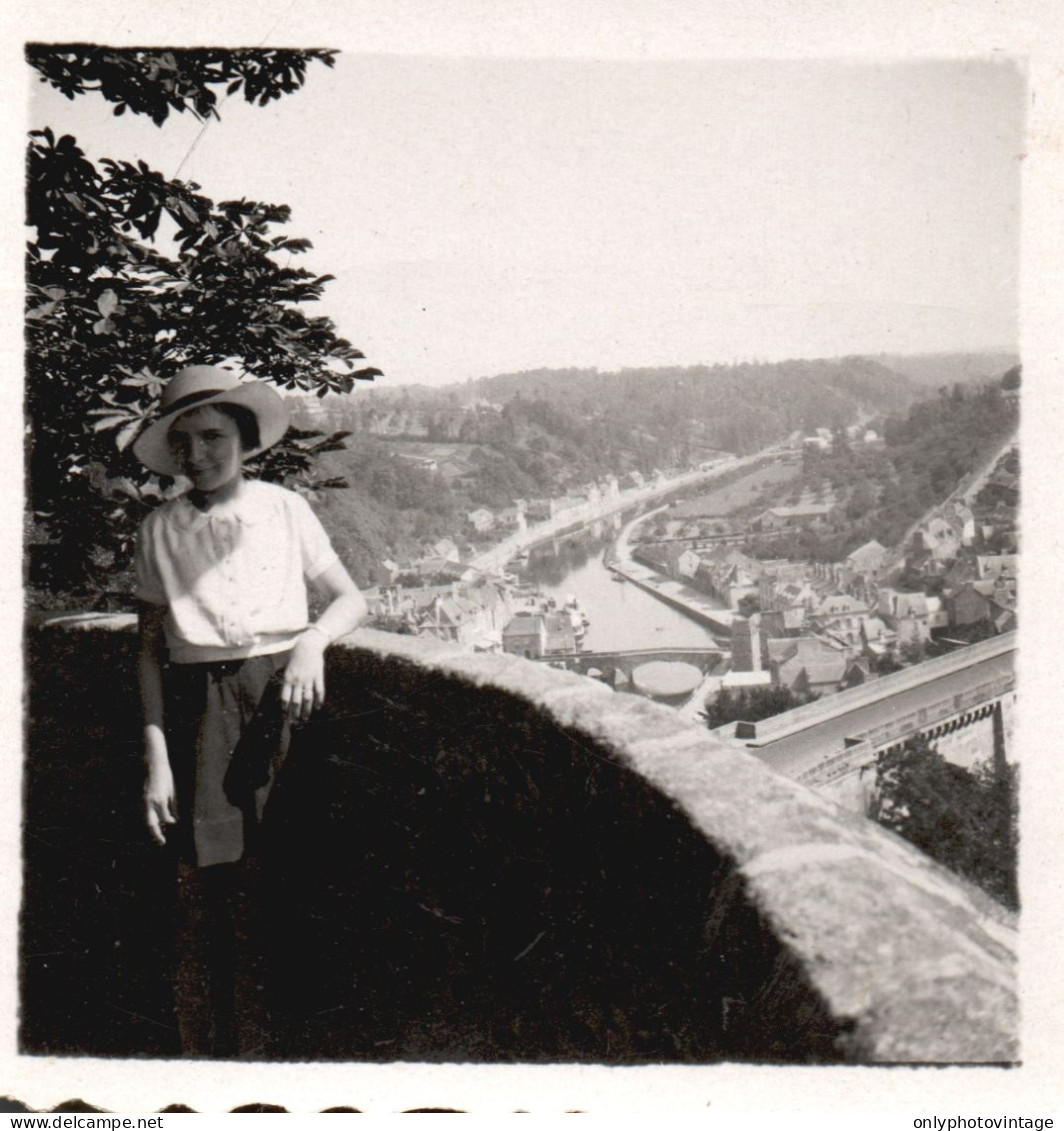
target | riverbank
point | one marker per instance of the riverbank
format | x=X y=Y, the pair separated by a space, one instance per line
x=698 y=606
x=495 y=559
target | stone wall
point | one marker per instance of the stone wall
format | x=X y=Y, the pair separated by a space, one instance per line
x=485 y=859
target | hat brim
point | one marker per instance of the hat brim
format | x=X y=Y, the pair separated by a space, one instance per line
x=152 y=446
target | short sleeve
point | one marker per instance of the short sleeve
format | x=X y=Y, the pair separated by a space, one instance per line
x=149 y=586
x=315 y=547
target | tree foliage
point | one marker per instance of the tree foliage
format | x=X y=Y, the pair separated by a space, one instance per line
x=752 y=704
x=132 y=275
x=966 y=820
x=154 y=82
x=883 y=489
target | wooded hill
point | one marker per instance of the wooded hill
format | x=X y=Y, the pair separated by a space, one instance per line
x=935 y=370
x=544 y=432
x=632 y=418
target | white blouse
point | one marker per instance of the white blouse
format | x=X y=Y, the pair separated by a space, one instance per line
x=233 y=578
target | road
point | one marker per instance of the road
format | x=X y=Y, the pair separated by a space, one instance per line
x=796 y=741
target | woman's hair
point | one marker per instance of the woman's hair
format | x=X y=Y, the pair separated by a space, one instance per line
x=247 y=423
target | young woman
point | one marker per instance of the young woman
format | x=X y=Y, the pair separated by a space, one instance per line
x=229 y=662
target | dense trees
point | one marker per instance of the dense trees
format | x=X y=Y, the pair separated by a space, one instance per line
x=547 y=432
x=752 y=704
x=131 y=275
x=883 y=489
x=964 y=819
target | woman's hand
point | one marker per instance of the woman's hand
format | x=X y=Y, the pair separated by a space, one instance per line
x=160 y=798
x=303 y=690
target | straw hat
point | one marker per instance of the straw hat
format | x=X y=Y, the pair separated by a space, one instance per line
x=200 y=385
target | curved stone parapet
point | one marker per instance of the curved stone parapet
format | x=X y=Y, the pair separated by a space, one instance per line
x=499 y=861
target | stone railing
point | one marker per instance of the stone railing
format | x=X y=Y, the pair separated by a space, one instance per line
x=494 y=861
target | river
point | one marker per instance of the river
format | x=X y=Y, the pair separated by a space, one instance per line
x=622 y=616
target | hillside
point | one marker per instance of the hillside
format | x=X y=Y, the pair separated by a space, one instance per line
x=636 y=418
x=937 y=369
x=421 y=459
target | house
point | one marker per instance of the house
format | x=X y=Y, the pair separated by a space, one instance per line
x=908 y=614
x=510 y=518
x=482 y=520
x=681 y=561
x=526 y=635
x=784 y=518
x=735 y=680
x=807 y=664
x=967 y=606
x=1004 y=566
x=539 y=510
x=965 y=521
x=843 y=617
x=940 y=536
x=448 y=569
x=445 y=548
x=878 y=637
x=536 y=634
x=840 y=609
x=867 y=559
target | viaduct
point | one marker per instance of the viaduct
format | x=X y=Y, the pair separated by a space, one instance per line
x=963 y=702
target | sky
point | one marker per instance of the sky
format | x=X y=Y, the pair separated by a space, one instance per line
x=498 y=214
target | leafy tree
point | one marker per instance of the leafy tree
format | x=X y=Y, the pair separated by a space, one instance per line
x=752 y=704
x=130 y=276
x=966 y=820
x=154 y=82
x=912 y=651
x=749 y=604
x=885 y=663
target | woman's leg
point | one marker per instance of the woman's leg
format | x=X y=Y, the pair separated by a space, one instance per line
x=201 y=965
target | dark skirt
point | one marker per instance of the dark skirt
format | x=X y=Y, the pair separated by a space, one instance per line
x=227 y=739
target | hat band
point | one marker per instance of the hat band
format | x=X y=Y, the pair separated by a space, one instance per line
x=189 y=400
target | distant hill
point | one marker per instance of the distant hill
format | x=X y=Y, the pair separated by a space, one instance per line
x=420 y=459
x=938 y=369
x=656 y=414
x=836 y=385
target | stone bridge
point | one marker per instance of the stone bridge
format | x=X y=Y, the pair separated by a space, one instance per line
x=485 y=860
x=611 y=664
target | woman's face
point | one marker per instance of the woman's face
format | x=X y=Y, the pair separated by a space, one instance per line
x=206 y=445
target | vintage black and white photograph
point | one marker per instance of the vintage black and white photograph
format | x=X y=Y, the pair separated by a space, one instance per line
x=521 y=557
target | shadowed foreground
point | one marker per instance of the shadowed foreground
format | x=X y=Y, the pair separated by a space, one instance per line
x=479 y=859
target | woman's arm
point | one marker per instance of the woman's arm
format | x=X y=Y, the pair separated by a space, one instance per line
x=160 y=802
x=303 y=690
